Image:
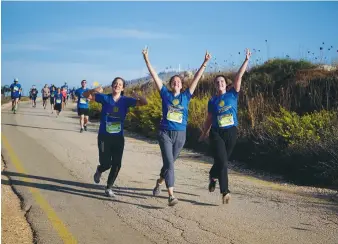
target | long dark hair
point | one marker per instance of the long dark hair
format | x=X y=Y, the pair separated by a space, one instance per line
x=123 y=81
x=228 y=81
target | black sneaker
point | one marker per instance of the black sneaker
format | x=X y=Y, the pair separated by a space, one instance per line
x=97 y=176
x=172 y=201
x=85 y=127
x=212 y=185
x=81 y=130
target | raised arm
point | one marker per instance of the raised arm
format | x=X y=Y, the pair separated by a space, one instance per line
x=199 y=73
x=206 y=127
x=90 y=94
x=152 y=71
x=241 y=71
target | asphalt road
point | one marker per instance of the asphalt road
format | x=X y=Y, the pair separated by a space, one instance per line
x=51 y=165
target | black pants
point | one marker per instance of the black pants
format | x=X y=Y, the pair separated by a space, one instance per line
x=110 y=156
x=222 y=142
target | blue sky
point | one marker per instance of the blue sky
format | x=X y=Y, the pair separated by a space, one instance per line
x=53 y=42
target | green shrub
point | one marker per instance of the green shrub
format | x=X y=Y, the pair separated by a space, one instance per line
x=294 y=128
x=303 y=148
x=94 y=109
x=146 y=119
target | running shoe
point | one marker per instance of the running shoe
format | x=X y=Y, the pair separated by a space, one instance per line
x=97 y=176
x=172 y=201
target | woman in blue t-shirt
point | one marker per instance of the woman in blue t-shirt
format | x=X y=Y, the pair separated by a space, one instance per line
x=173 y=125
x=115 y=107
x=58 y=102
x=222 y=119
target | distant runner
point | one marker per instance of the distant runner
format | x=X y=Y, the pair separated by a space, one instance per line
x=45 y=95
x=64 y=91
x=52 y=98
x=82 y=105
x=110 y=137
x=20 y=94
x=58 y=102
x=64 y=96
x=15 y=94
x=34 y=94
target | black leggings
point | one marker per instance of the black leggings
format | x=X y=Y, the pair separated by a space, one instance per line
x=222 y=142
x=110 y=155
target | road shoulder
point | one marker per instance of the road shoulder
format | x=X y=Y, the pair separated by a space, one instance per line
x=14 y=226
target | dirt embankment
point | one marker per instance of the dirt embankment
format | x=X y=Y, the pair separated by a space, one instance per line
x=14 y=226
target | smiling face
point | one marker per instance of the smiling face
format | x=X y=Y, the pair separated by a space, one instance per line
x=118 y=86
x=176 y=83
x=220 y=84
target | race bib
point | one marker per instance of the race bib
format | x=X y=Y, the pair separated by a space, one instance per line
x=113 y=127
x=16 y=88
x=83 y=100
x=225 y=120
x=58 y=100
x=175 y=116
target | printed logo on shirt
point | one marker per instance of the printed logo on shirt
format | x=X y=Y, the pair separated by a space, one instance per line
x=175 y=102
x=115 y=109
x=226 y=108
x=221 y=103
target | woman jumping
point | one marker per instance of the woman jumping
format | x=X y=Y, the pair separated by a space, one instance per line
x=173 y=125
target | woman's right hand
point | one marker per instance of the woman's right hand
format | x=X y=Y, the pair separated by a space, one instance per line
x=99 y=89
x=145 y=53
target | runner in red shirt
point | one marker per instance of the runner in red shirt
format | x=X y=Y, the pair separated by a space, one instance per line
x=64 y=97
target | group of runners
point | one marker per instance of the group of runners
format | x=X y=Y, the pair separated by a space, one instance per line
x=220 y=125
x=51 y=93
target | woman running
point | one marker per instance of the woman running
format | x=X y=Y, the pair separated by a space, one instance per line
x=52 y=98
x=222 y=119
x=173 y=125
x=110 y=137
x=64 y=96
x=58 y=102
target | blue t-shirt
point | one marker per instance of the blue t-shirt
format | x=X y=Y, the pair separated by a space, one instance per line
x=58 y=98
x=82 y=101
x=52 y=94
x=15 y=90
x=174 y=110
x=224 y=109
x=113 y=113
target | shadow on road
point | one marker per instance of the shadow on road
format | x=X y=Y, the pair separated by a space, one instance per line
x=36 y=127
x=90 y=189
x=31 y=114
